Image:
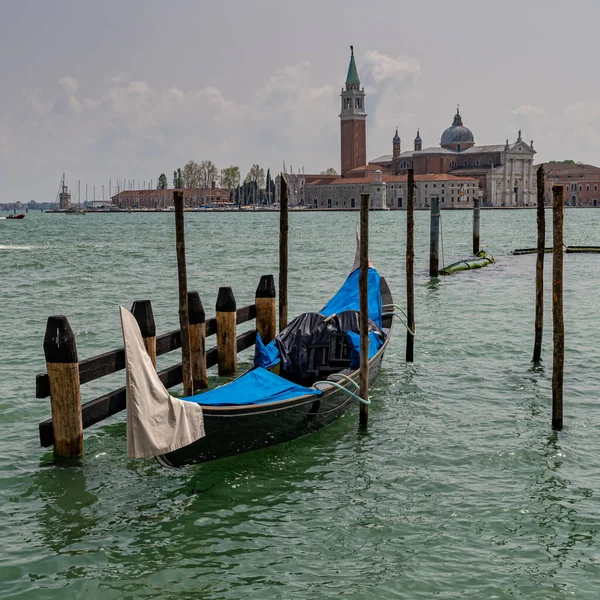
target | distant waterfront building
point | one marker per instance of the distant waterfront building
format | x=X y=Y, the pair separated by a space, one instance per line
x=153 y=199
x=501 y=174
x=390 y=191
x=582 y=183
x=505 y=171
x=297 y=185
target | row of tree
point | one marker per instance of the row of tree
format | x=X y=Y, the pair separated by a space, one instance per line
x=202 y=175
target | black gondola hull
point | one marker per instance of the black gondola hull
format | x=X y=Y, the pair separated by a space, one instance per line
x=233 y=430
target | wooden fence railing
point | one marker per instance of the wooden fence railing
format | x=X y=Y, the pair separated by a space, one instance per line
x=65 y=374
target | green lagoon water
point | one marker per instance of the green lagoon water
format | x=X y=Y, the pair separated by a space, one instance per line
x=458 y=489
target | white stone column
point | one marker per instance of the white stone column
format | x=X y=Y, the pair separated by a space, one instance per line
x=511 y=182
x=506 y=194
x=525 y=181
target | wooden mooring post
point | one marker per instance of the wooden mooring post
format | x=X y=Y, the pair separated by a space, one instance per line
x=434 y=237
x=142 y=311
x=410 y=264
x=65 y=391
x=197 y=341
x=65 y=375
x=363 y=283
x=266 y=310
x=539 y=269
x=184 y=323
x=226 y=324
x=558 y=362
x=476 y=220
x=283 y=254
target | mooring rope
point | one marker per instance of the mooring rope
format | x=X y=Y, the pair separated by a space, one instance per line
x=344 y=389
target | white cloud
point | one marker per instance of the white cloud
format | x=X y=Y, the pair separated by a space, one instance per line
x=138 y=87
x=383 y=68
x=125 y=121
x=389 y=82
x=68 y=84
x=528 y=110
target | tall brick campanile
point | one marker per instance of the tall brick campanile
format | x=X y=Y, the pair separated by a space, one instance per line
x=353 y=121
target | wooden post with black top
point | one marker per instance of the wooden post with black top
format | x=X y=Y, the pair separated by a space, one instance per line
x=142 y=311
x=363 y=285
x=197 y=341
x=65 y=392
x=539 y=268
x=283 y=254
x=434 y=237
x=226 y=324
x=557 y=307
x=476 y=220
x=266 y=311
x=184 y=322
x=410 y=265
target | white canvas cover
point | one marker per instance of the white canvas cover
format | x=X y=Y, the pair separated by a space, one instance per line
x=156 y=422
x=356 y=264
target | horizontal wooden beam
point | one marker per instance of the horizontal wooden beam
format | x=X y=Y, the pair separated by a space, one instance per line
x=113 y=361
x=101 y=408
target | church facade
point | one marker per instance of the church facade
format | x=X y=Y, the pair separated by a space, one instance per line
x=505 y=172
x=457 y=171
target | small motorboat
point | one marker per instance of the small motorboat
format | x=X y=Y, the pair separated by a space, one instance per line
x=19 y=216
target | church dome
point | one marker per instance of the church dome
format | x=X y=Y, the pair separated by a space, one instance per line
x=418 y=139
x=457 y=136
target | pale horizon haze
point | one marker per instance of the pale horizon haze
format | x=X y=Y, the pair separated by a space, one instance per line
x=131 y=89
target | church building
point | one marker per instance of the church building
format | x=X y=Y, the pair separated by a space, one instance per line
x=457 y=171
x=505 y=171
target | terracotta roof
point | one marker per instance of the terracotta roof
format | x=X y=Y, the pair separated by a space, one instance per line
x=557 y=169
x=428 y=177
x=348 y=180
x=368 y=167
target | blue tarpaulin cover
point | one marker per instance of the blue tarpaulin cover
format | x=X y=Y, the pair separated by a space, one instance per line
x=258 y=386
x=375 y=342
x=348 y=298
x=265 y=356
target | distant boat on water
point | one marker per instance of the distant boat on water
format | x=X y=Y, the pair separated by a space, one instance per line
x=19 y=216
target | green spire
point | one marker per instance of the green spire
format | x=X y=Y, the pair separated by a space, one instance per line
x=352 y=76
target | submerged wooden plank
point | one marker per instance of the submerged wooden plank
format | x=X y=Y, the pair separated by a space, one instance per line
x=105 y=406
x=114 y=360
x=583 y=249
x=529 y=250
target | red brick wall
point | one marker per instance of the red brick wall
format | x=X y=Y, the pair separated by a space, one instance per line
x=428 y=164
x=353 y=144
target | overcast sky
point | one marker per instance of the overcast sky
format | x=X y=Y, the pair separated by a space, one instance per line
x=132 y=88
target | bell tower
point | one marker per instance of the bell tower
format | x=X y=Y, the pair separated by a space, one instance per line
x=418 y=142
x=353 y=121
x=396 y=147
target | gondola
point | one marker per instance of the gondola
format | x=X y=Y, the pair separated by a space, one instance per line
x=312 y=380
